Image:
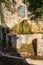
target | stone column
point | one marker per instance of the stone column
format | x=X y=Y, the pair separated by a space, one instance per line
x=40 y=47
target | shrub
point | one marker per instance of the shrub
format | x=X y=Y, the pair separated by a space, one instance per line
x=36 y=6
x=22 y=28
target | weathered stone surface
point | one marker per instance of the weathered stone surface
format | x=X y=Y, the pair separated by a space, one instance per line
x=27 y=39
x=41 y=26
x=40 y=47
x=13 y=18
x=34 y=27
x=11 y=40
x=19 y=40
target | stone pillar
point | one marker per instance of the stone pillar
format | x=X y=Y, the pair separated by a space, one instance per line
x=40 y=47
x=11 y=40
x=19 y=43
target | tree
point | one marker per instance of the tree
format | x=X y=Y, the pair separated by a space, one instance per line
x=36 y=6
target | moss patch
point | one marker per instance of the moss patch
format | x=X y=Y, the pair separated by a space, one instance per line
x=27 y=48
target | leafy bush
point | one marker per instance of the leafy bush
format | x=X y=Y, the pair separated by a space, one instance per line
x=15 y=29
x=36 y=6
x=22 y=28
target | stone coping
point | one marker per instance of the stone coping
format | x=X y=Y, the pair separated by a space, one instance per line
x=25 y=34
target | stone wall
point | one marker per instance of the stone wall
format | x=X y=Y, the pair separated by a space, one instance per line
x=35 y=39
x=27 y=39
x=40 y=47
x=31 y=39
x=11 y=15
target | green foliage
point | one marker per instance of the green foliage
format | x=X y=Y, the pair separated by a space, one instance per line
x=36 y=6
x=26 y=2
x=14 y=28
x=22 y=28
x=4 y=0
x=27 y=48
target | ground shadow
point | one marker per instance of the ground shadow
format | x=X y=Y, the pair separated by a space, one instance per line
x=9 y=47
x=4 y=32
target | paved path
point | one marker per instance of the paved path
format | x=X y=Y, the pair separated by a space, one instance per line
x=28 y=60
x=10 y=56
x=34 y=62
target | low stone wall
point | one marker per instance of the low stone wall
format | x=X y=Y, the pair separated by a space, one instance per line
x=19 y=40
x=27 y=39
x=35 y=39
